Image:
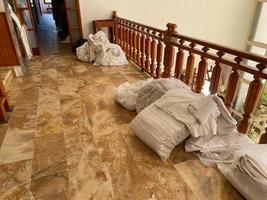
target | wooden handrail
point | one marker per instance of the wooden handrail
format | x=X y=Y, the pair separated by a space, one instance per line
x=161 y=53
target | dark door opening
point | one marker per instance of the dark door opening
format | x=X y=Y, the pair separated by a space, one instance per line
x=52 y=27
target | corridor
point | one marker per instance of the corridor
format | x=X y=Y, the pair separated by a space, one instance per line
x=49 y=39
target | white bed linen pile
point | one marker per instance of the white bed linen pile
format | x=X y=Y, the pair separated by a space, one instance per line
x=212 y=133
x=202 y=115
x=156 y=89
x=139 y=95
x=248 y=172
x=126 y=93
x=99 y=50
x=159 y=130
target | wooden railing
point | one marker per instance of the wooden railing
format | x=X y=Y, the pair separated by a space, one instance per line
x=166 y=53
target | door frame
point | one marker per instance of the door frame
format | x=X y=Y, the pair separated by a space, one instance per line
x=35 y=51
x=80 y=28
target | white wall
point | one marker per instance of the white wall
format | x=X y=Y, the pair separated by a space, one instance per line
x=2 y=7
x=222 y=21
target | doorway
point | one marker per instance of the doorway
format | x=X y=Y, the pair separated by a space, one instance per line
x=54 y=26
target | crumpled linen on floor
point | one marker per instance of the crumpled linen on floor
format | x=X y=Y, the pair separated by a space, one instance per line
x=126 y=93
x=141 y=94
x=101 y=52
x=202 y=120
x=156 y=89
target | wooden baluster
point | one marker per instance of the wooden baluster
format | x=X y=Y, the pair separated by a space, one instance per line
x=148 y=52
x=116 y=28
x=143 y=48
x=232 y=85
x=252 y=100
x=130 y=42
x=202 y=70
x=3 y=94
x=127 y=39
x=216 y=73
x=179 y=61
x=134 y=46
x=138 y=48
x=263 y=139
x=122 y=36
x=169 y=50
x=190 y=66
x=159 y=57
x=153 y=54
x=119 y=35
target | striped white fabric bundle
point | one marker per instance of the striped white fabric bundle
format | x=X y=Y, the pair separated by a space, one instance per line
x=248 y=173
x=159 y=130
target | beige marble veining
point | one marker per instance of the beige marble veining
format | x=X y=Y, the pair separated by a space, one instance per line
x=68 y=139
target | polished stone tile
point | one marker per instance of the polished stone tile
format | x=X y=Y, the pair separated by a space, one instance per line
x=24 y=118
x=49 y=186
x=49 y=155
x=28 y=97
x=15 y=180
x=206 y=182
x=3 y=129
x=17 y=145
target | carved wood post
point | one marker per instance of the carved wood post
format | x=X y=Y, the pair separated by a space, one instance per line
x=134 y=46
x=190 y=66
x=153 y=54
x=3 y=94
x=116 y=28
x=130 y=42
x=143 y=48
x=159 y=57
x=169 y=50
x=252 y=100
x=138 y=48
x=148 y=53
x=232 y=85
x=179 y=61
x=127 y=39
x=263 y=139
x=216 y=73
x=122 y=36
x=202 y=70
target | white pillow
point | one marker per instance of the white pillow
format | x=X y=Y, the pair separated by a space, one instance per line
x=158 y=130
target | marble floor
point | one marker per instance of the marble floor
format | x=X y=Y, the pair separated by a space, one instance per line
x=68 y=139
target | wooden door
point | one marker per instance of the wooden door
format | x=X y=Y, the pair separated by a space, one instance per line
x=74 y=20
x=23 y=9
